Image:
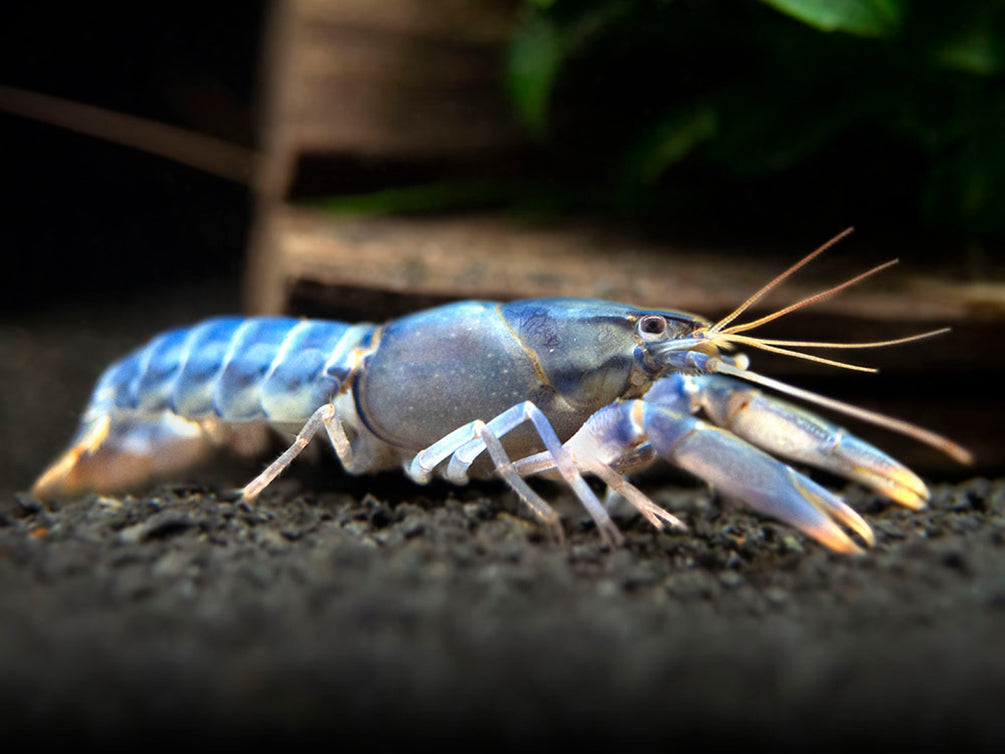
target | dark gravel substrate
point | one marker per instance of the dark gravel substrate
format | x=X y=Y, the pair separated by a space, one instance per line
x=373 y=608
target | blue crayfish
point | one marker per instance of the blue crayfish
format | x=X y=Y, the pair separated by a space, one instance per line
x=560 y=386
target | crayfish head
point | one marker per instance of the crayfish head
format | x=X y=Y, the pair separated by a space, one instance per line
x=591 y=352
x=674 y=342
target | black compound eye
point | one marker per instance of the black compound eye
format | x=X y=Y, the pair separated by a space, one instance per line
x=652 y=326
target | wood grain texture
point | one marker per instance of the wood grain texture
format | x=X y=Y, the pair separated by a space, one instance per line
x=486 y=256
x=397 y=78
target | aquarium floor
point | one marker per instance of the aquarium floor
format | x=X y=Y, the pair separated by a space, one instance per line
x=348 y=608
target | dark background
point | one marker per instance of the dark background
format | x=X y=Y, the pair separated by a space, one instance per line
x=84 y=219
x=116 y=219
x=376 y=609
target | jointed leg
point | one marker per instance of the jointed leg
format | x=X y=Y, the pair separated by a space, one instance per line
x=618 y=485
x=326 y=416
x=504 y=467
x=463 y=446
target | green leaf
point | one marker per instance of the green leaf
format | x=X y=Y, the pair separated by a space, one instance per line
x=974 y=49
x=429 y=197
x=864 y=18
x=540 y=47
x=669 y=141
x=535 y=55
x=768 y=129
x=966 y=187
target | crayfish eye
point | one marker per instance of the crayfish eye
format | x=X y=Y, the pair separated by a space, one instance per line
x=652 y=327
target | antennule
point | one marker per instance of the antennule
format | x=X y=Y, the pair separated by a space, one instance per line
x=761 y=344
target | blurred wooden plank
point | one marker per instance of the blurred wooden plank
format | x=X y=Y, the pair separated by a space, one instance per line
x=484 y=256
x=394 y=80
x=354 y=89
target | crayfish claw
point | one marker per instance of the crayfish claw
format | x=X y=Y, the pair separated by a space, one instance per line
x=793 y=432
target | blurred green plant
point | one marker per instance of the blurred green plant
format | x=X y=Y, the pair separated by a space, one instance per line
x=748 y=90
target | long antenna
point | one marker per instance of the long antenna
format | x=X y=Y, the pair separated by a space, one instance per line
x=771 y=344
x=806 y=301
x=870 y=344
x=781 y=278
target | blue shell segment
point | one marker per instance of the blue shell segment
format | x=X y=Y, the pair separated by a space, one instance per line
x=316 y=361
x=161 y=362
x=207 y=349
x=252 y=352
x=234 y=368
